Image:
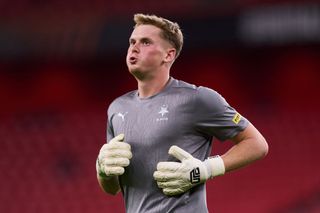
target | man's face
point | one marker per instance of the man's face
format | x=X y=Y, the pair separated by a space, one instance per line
x=147 y=50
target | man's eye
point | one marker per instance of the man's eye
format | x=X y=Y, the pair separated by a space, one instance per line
x=146 y=43
x=132 y=42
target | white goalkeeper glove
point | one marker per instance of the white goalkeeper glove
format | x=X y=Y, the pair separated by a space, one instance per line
x=176 y=178
x=113 y=157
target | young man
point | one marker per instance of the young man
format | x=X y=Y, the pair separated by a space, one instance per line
x=160 y=135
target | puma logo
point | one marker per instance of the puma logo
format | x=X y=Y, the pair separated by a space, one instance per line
x=122 y=115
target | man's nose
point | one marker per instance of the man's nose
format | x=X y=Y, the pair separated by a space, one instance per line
x=135 y=48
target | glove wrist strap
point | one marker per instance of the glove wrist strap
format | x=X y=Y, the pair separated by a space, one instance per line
x=215 y=166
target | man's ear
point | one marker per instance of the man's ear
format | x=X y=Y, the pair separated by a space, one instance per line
x=171 y=55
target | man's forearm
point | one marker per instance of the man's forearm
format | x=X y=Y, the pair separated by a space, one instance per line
x=109 y=184
x=239 y=156
x=249 y=146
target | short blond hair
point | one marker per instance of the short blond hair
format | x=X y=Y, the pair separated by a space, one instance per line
x=171 y=31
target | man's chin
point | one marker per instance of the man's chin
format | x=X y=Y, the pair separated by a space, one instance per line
x=137 y=74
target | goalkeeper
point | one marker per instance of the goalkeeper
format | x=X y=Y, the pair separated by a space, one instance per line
x=160 y=135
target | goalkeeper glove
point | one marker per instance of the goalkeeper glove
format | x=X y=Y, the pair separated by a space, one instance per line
x=176 y=178
x=113 y=157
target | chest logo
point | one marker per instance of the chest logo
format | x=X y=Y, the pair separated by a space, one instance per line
x=122 y=115
x=163 y=111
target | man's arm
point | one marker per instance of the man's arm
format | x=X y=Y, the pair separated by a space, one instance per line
x=249 y=146
x=176 y=178
x=109 y=185
x=112 y=159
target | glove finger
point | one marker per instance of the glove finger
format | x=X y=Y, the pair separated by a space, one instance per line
x=104 y=148
x=113 y=170
x=179 y=153
x=170 y=184
x=172 y=191
x=117 y=153
x=118 y=138
x=165 y=176
x=168 y=166
x=117 y=145
x=123 y=162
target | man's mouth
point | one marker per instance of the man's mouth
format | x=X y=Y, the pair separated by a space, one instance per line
x=133 y=59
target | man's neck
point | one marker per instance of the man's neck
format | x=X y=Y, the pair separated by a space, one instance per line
x=152 y=86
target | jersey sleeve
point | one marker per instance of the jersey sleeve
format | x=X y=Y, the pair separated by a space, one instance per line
x=215 y=117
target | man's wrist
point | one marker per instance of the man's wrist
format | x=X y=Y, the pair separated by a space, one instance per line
x=215 y=166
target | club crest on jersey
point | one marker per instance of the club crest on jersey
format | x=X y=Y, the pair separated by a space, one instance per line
x=163 y=111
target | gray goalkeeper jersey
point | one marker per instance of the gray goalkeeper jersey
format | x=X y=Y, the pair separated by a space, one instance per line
x=181 y=114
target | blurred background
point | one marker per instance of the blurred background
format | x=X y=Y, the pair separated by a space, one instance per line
x=63 y=62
